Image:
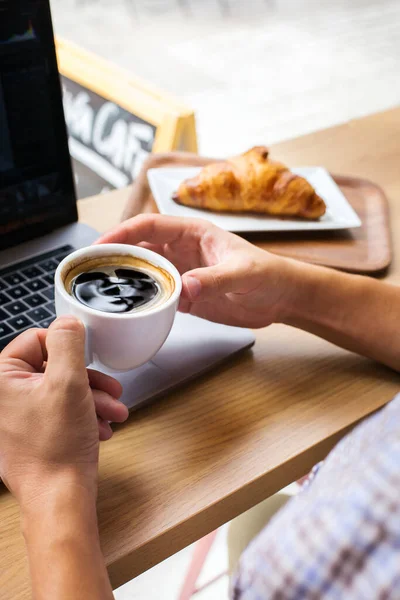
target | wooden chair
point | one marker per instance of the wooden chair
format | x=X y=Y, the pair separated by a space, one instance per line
x=201 y=551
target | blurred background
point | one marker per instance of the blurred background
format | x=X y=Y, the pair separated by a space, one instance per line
x=254 y=72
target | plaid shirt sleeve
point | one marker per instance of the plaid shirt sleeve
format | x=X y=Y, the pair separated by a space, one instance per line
x=339 y=538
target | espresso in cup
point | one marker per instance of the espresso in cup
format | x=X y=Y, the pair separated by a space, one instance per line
x=126 y=297
x=119 y=284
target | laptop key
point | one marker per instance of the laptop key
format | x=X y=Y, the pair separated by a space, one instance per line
x=32 y=272
x=3 y=285
x=16 y=308
x=50 y=279
x=3 y=315
x=62 y=255
x=5 y=330
x=21 y=322
x=49 y=265
x=38 y=314
x=14 y=278
x=46 y=323
x=18 y=292
x=35 y=300
x=51 y=308
x=49 y=293
x=4 y=299
x=36 y=285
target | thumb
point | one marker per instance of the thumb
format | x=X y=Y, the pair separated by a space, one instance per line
x=207 y=283
x=65 y=343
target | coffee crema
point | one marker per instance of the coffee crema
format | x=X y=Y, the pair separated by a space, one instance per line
x=119 y=284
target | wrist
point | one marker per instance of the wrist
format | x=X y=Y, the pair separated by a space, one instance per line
x=62 y=507
x=319 y=297
x=48 y=488
x=295 y=286
x=305 y=288
x=63 y=545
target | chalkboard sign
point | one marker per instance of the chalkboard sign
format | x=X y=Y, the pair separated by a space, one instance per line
x=114 y=121
x=107 y=143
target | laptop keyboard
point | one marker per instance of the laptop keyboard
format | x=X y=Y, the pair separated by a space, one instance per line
x=27 y=294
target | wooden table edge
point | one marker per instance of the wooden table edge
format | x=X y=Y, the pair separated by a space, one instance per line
x=148 y=555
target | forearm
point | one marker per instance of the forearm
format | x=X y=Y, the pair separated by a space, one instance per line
x=358 y=313
x=63 y=546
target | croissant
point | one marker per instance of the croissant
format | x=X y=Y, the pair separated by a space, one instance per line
x=251 y=183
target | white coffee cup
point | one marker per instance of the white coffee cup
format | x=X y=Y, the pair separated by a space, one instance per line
x=119 y=341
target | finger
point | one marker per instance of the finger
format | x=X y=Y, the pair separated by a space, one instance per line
x=157 y=248
x=30 y=348
x=157 y=229
x=65 y=344
x=219 y=312
x=182 y=260
x=203 y=284
x=104 y=383
x=184 y=305
x=105 y=431
x=108 y=408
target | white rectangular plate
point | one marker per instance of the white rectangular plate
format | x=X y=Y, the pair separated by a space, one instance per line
x=339 y=215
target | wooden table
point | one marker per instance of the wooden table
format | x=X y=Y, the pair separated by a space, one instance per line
x=200 y=456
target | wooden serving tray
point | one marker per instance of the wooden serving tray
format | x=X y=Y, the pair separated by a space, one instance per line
x=366 y=249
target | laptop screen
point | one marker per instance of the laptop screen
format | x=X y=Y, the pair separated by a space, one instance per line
x=36 y=181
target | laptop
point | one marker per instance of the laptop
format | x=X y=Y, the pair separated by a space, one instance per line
x=38 y=211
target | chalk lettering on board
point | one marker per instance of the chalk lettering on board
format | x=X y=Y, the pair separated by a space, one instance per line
x=107 y=143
